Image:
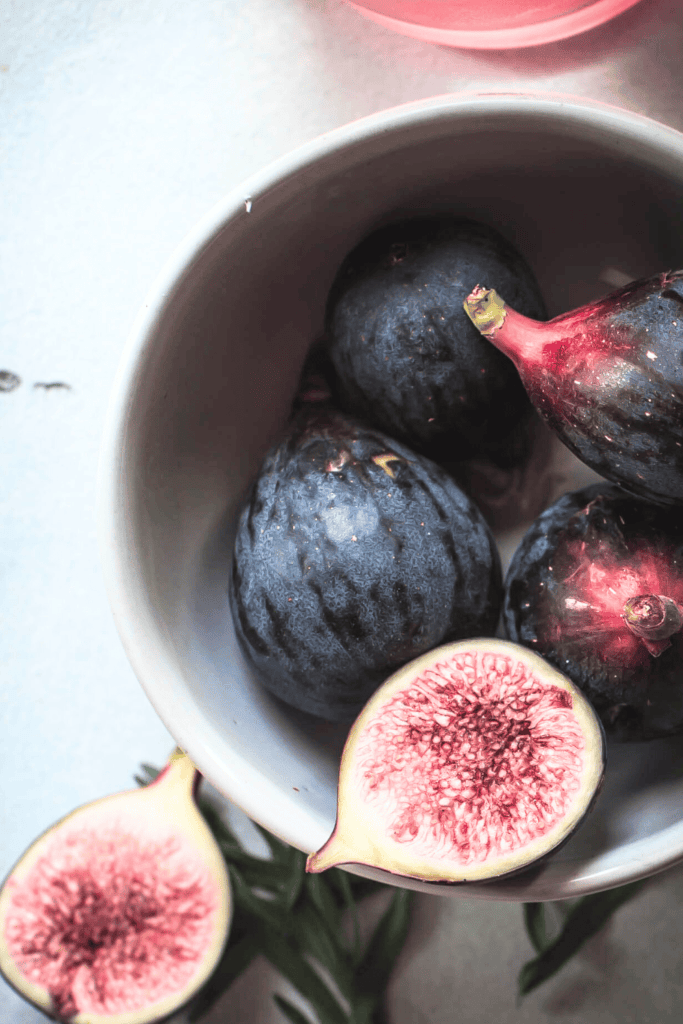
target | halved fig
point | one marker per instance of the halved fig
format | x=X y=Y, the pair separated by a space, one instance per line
x=119 y=913
x=470 y=763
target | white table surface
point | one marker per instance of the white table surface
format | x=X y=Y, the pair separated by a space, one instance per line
x=121 y=123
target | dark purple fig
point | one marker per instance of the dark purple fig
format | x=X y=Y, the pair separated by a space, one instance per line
x=608 y=378
x=470 y=763
x=352 y=556
x=596 y=587
x=407 y=358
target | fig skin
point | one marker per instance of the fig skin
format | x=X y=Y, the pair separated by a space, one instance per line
x=566 y=592
x=470 y=764
x=116 y=903
x=607 y=378
x=352 y=556
x=407 y=359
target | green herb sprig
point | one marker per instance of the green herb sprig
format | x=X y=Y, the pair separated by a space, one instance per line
x=583 y=919
x=296 y=922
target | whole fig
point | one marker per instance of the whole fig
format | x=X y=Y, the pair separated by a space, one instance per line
x=607 y=378
x=406 y=357
x=353 y=555
x=596 y=587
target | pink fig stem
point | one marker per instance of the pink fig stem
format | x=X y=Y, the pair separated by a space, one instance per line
x=519 y=337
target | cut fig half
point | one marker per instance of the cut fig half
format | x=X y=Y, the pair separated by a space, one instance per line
x=119 y=913
x=472 y=762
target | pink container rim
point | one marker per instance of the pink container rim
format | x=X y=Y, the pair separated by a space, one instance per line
x=548 y=31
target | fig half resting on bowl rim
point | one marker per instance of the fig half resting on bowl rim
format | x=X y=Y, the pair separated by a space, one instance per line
x=119 y=913
x=472 y=762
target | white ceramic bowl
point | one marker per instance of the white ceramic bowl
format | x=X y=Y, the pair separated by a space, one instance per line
x=208 y=375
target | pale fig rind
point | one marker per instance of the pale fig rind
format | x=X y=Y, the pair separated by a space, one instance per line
x=471 y=763
x=160 y=829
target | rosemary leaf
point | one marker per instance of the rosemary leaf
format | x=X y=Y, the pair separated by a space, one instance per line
x=288 y=961
x=150 y=770
x=291 y=1012
x=276 y=845
x=585 y=919
x=294 y=874
x=385 y=944
x=352 y=909
x=262 y=911
x=535 y=924
x=324 y=942
x=265 y=875
x=322 y=897
x=360 y=887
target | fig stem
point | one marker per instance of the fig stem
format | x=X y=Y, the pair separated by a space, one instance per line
x=654 y=619
x=486 y=310
x=519 y=337
x=179 y=774
x=328 y=856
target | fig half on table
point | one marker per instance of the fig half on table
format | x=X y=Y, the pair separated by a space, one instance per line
x=118 y=913
x=472 y=762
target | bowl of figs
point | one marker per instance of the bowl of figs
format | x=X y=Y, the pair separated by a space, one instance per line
x=391 y=497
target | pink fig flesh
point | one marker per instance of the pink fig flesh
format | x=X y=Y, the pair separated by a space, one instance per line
x=119 y=912
x=607 y=378
x=470 y=763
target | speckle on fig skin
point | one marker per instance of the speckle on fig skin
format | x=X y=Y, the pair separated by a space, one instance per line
x=340 y=577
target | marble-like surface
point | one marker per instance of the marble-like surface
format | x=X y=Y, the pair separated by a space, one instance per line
x=121 y=122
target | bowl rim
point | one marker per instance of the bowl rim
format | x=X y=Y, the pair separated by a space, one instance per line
x=235 y=777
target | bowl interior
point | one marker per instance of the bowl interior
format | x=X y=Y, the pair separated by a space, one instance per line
x=209 y=377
